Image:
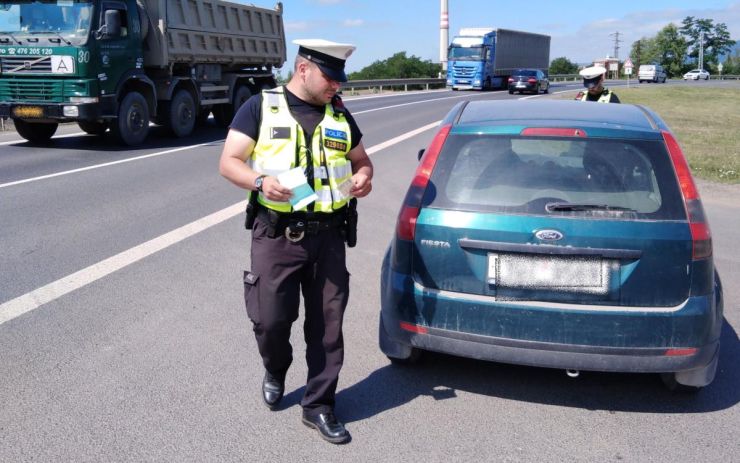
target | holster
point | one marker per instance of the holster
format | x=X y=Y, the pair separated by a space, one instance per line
x=252 y=206
x=350 y=232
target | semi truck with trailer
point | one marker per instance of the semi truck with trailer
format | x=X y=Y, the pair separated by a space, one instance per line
x=119 y=64
x=484 y=58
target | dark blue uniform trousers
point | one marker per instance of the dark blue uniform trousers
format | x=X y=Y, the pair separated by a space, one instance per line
x=316 y=267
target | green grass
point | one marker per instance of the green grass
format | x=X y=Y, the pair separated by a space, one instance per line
x=706 y=122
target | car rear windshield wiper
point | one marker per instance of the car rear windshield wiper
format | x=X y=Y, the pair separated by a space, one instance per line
x=550 y=207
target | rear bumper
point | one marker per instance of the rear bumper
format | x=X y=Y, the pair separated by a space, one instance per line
x=537 y=354
x=595 y=338
x=525 y=88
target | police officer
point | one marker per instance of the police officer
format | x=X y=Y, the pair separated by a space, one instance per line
x=303 y=124
x=593 y=80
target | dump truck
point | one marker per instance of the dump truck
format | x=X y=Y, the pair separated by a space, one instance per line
x=120 y=64
x=484 y=58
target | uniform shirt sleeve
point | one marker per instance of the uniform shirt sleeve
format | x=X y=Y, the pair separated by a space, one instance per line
x=247 y=118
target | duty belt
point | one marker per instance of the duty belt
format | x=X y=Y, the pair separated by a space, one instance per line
x=295 y=225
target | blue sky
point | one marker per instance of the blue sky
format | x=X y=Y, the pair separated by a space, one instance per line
x=580 y=30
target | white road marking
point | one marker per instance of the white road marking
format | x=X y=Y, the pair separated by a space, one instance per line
x=468 y=95
x=54 y=290
x=182 y=148
x=400 y=138
x=107 y=164
x=22 y=140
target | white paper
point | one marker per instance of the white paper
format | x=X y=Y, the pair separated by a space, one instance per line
x=303 y=194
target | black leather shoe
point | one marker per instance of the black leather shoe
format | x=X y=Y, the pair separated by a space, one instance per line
x=329 y=428
x=272 y=390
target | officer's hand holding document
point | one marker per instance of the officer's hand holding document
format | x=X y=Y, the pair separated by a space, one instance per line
x=303 y=194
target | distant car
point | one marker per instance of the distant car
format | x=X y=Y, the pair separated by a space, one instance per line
x=696 y=74
x=651 y=73
x=528 y=80
x=555 y=234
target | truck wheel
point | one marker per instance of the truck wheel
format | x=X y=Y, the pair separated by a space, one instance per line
x=202 y=118
x=35 y=132
x=132 y=125
x=180 y=114
x=224 y=113
x=93 y=127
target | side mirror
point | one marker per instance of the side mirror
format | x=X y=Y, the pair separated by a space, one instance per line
x=420 y=154
x=112 y=25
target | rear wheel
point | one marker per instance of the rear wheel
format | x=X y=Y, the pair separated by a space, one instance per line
x=410 y=360
x=35 y=132
x=397 y=353
x=224 y=113
x=180 y=114
x=202 y=118
x=93 y=127
x=132 y=125
x=669 y=380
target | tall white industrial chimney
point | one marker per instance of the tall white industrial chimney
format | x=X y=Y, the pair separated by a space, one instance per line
x=444 y=29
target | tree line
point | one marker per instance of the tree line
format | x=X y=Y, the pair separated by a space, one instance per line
x=675 y=48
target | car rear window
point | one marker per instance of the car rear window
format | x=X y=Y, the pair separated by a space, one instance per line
x=512 y=174
x=525 y=72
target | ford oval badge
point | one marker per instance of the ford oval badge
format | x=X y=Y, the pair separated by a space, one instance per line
x=548 y=235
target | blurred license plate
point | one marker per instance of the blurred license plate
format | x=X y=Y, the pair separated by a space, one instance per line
x=558 y=273
x=28 y=111
x=520 y=85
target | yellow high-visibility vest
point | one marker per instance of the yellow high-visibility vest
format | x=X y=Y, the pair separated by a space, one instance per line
x=281 y=146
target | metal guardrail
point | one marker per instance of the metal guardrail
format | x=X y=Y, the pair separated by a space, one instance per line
x=376 y=85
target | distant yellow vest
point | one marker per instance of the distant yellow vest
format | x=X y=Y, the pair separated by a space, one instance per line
x=604 y=98
x=281 y=146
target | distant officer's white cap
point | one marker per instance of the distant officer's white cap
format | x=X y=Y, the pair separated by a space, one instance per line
x=328 y=56
x=592 y=75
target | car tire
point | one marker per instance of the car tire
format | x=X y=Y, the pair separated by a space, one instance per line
x=411 y=360
x=547 y=89
x=669 y=381
x=511 y=92
x=407 y=355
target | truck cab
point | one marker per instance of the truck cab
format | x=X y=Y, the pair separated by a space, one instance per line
x=470 y=59
x=63 y=60
x=119 y=64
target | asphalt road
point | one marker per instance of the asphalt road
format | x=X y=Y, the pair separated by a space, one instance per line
x=124 y=338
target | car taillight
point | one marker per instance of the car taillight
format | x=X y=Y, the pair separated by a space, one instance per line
x=511 y=80
x=412 y=202
x=701 y=237
x=532 y=81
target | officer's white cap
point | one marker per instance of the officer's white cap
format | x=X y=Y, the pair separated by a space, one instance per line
x=592 y=72
x=329 y=56
x=592 y=76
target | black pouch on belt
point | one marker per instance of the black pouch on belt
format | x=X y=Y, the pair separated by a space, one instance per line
x=252 y=206
x=351 y=224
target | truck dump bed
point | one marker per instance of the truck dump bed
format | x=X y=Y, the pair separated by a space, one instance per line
x=213 y=31
x=516 y=49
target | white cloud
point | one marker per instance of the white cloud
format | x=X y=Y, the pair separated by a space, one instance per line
x=593 y=40
x=353 y=23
